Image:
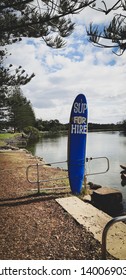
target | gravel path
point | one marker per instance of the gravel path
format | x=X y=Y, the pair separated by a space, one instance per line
x=35 y=226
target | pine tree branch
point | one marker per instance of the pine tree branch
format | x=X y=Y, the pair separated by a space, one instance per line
x=14 y=5
x=46 y=19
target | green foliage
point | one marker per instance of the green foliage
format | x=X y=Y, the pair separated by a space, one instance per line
x=3 y=111
x=10 y=76
x=7 y=136
x=53 y=126
x=32 y=132
x=120 y=126
x=49 y=20
x=124 y=125
x=20 y=112
x=98 y=126
x=115 y=31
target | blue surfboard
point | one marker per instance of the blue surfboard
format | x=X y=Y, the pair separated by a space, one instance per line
x=77 y=143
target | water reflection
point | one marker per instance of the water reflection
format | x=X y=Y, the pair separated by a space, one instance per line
x=52 y=149
x=99 y=144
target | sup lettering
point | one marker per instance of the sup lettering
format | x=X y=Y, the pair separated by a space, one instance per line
x=80 y=107
x=78 y=129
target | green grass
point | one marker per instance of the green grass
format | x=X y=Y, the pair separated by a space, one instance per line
x=5 y=136
x=2 y=143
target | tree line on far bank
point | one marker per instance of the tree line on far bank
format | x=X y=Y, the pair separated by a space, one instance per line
x=17 y=115
x=55 y=125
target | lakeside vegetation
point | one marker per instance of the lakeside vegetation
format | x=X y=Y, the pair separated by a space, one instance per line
x=55 y=126
x=52 y=127
x=17 y=116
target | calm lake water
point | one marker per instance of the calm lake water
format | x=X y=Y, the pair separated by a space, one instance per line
x=99 y=144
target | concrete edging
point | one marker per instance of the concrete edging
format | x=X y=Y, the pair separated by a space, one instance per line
x=95 y=220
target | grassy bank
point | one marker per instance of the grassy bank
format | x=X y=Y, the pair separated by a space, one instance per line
x=5 y=137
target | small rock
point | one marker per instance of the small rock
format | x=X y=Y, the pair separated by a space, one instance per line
x=87 y=198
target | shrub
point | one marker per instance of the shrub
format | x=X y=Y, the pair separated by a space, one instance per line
x=32 y=132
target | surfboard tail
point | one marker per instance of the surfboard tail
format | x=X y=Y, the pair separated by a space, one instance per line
x=76 y=171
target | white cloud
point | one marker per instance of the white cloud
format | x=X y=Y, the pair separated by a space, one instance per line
x=62 y=74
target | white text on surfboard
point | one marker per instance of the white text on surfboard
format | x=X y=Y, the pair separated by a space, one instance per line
x=79 y=120
x=80 y=107
x=78 y=129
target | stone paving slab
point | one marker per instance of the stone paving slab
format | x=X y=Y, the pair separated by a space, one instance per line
x=95 y=220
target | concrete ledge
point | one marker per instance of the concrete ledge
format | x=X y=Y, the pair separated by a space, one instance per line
x=107 y=195
x=95 y=220
x=107 y=199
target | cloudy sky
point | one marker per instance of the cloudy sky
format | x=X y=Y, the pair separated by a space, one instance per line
x=60 y=75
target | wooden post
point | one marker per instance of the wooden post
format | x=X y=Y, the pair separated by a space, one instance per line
x=85 y=184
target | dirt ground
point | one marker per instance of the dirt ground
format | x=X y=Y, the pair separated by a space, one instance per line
x=34 y=226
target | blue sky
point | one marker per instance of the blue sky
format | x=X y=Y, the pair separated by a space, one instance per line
x=78 y=68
